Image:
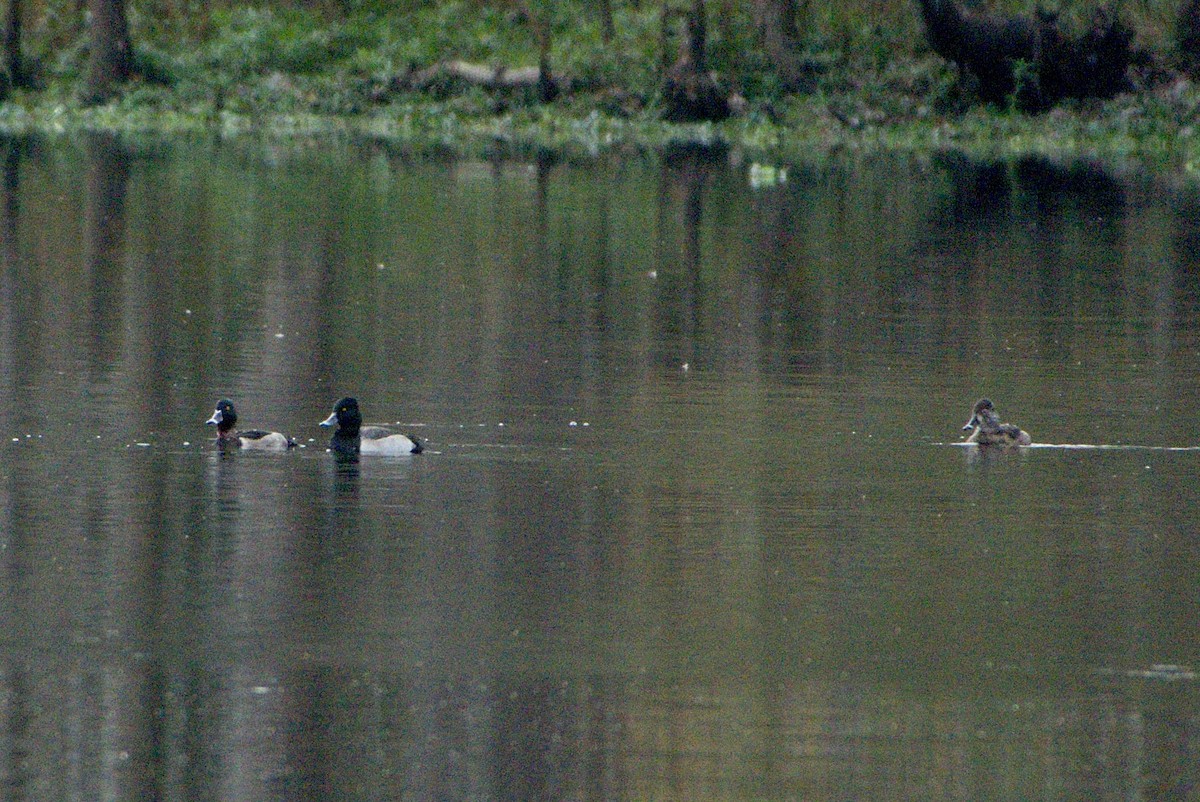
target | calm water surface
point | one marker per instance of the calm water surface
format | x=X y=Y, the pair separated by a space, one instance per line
x=692 y=523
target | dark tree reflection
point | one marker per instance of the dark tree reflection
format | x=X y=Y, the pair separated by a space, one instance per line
x=104 y=244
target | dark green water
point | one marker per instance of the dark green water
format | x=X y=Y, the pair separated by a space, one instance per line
x=692 y=523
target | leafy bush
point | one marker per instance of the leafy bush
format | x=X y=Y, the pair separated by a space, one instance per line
x=249 y=40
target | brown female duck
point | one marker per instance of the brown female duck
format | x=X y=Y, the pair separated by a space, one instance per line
x=989 y=431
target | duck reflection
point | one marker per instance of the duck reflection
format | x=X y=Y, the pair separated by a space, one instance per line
x=346 y=474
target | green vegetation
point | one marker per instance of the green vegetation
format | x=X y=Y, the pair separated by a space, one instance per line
x=346 y=69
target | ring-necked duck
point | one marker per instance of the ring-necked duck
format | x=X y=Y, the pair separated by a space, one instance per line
x=352 y=437
x=989 y=431
x=225 y=418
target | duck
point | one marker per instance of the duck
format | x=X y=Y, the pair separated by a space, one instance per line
x=225 y=419
x=989 y=431
x=352 y=437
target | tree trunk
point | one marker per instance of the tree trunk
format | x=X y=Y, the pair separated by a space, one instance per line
x=109 y=63
x=608 y=26
x=664 y=34
x=695 y=45
x=538 y=17
x=690 y=92
x=547 y=88
x=1187 y=34
x=12 y=44
x=776 y=21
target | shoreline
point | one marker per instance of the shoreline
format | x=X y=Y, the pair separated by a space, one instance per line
x=1137 y=133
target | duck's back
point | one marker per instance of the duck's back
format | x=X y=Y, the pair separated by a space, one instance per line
x=1006 y=434
x=1018 y=435
x=267 y=441
x=377 y=440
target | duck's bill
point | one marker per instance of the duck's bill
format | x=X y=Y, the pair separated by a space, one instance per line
x=215 y=420
x=332 y=419
x=969 y=425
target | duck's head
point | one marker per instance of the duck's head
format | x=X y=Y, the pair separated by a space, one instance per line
x=345 y=415
x=224 y=417
x=982 y=410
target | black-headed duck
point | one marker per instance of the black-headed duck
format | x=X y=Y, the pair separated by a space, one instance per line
x=352 y=437
x=225 y=419
x=989 y=431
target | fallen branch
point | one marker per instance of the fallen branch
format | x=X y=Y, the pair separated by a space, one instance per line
x=486 y=76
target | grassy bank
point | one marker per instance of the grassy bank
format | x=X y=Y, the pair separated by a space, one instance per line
x=288 y=72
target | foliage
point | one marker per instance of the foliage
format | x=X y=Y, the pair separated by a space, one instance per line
x=299 y=68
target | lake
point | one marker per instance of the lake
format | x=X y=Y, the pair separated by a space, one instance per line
x=694 y=519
